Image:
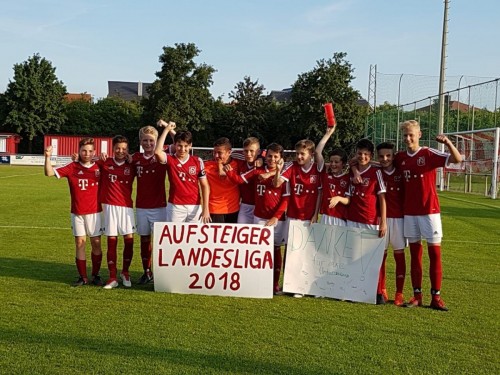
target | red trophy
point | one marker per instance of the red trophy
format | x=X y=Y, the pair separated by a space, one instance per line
x=330 y=116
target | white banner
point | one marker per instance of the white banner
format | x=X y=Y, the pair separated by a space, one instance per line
x=214 y=259
x=332 y=261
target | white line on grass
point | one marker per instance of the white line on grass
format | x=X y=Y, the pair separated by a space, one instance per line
x=466 y=201
x=20 y=175
x=29 y=227
x=473 y=242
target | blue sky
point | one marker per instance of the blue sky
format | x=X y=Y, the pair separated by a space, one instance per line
x=93 y=41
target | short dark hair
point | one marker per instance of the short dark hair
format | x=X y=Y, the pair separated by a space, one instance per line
x=184 y=136
x=338 y=152
x=274 y=147
x=365 y=144
x=386 y=145
x=86 y=141
x=223 y=142
x=119 y=139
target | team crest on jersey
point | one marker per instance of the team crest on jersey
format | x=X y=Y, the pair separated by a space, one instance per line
x=397 y=178
x=126 y=171
x=97 y=172
x=366 y=182
x=192 y=170
x=421 y=161
x=343 y=183
x=313 y=178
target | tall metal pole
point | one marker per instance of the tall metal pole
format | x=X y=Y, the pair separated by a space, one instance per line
x=441 y=84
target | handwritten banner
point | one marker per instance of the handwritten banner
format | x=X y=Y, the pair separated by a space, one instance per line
x=332 y=261
x=214 y=259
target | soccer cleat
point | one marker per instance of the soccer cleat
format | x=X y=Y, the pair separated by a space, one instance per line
x=415 y=301
x=96 y=280
x=146 y=278
x=298 y=295
x=81 y=282
x=380 y=299
x=399 y=299
x=385 y=295
x=111 y=284
x=438 y=304
x=126 y=279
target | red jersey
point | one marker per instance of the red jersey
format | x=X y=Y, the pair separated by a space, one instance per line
x=150 y=181
x=247 y=190
x=419 y=173
x=394 y=193
x=224 y=193
x=363 y=207
x=334 y=186
x=270 y=201
x=304 y=189
x=183 y=177
x=116 y=182
x=83 y=184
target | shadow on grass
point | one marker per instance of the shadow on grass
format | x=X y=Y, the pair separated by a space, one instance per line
x=41 y=270
x=200 y=362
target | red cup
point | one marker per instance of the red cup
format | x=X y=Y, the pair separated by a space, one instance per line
x=330 y=116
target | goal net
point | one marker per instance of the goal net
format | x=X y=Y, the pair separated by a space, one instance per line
x=479 y=171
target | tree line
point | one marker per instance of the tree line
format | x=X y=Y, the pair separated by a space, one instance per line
x=33 y=105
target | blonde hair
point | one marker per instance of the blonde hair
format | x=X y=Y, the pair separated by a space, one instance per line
x=305 y=144
x=148 y=130
x=251 y=141
x=409 y=124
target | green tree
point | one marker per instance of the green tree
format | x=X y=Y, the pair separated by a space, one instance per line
x=250 y=109
x=35 y=99
x=328 y=81
x=79 y=119
x=112 y=116
x=181 y=92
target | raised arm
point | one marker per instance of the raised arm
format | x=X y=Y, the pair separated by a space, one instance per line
x=48 y=169
x=318 y=153
x=455 y=156
x=167 y=127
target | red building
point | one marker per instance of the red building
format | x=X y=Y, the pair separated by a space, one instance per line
x=66 y=145
x=9 y=143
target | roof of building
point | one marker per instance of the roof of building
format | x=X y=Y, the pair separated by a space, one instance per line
x=128 y=90
x=70 y=97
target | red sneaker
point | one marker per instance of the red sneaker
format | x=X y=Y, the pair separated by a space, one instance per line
x=399 y=299
x=438 y=304
x=415 y=301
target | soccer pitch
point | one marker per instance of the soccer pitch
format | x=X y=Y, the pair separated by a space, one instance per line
x=48 y=327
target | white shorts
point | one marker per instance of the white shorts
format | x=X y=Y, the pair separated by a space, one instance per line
x=118 y=220
x=278 y=229
x=86 y=225
x=245 y=215
x=286 y=227
x=355 y=224
x=423 y=226
x=332 y=220
x=183 y=213
x=146 y=217
x=395 y=233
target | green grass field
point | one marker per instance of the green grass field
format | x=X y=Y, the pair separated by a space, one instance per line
x=48 y=327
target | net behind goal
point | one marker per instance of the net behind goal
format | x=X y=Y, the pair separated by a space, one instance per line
x=479 y=171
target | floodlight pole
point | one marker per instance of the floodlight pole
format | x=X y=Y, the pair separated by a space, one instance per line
x=442 y=78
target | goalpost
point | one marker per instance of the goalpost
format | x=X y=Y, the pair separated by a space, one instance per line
x=479 y=171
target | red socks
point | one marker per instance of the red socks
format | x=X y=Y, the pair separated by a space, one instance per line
x=381 y=275
x=416 y=266
x=111 y=256
x=81 y=266
x=146 y=255
x=277 y=266
x=96 y=263
x=128 y=252
x=400 y=260
x=435 y=269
